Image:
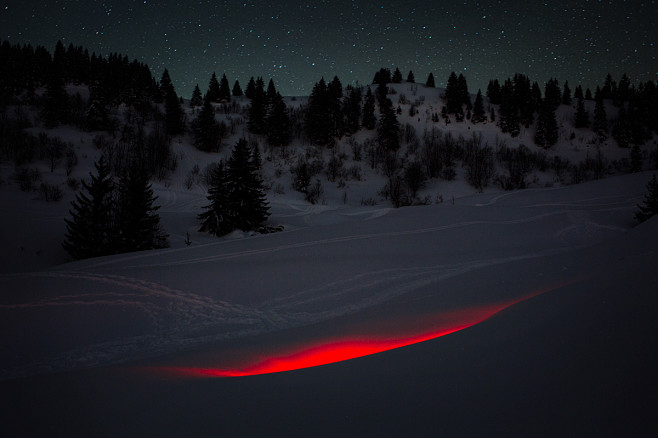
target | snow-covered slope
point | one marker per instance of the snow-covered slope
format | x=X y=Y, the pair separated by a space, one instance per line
x=551 y=291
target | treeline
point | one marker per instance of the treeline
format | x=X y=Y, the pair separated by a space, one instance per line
x=24 y=68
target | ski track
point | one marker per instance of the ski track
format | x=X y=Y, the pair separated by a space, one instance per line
x=320 y=242
x=182 y=319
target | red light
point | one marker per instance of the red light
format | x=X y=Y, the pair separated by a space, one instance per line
x=327 y=351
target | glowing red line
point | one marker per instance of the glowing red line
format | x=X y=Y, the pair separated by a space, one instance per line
x=332 y=351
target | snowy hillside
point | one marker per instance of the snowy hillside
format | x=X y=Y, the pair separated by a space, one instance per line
x=537 y=306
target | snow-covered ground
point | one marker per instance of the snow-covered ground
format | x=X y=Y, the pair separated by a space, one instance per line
x=560 y=281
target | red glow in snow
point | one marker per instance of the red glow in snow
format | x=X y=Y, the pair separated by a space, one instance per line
x=327 y=351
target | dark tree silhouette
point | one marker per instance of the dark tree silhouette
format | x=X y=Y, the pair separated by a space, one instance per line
x=197 y=98
x=546 y=134
x=478 y=109
x=217 y=217
x=369 y=120
x=237 y=91
x=430 y=81
x=581 y=117
x=224 y=90
x=650 y=206
x=410 y=77
x=137 y=222
x=213 y=93
x=206 y=130
x=397 y=76
x=278 y=122
x=173 y=111
x=89 y=231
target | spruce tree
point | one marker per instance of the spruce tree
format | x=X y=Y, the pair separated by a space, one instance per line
x=352 y=111
x=245 y=187
x=478 y=109
x=453 y=95
x=397 y=76
x=508 y=118
x=173 y=111
x=206 y=129
x=650 y=206
x=237 y=91
x=546 y=134
x=251 y=88
x=137 y=222
x=271 y=92
x=224 y=90
x=581 y=117
x=552 y=94
x=494 y=92
x=334 y=99
x=278 y=122
x=566 y=94
x=319 y=124
x=430 y=81
x=197 y=98
x=89 y=231
x=213 y=93
x=600 y=118
x=410 y=77
x=218 y=216
x=578 y=93
x=388 y=128
x=369 y=120
x=257 y=109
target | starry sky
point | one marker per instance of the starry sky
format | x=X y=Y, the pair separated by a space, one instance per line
x=297 y=42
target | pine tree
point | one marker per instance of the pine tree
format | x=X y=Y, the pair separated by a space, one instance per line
x=588 y=94
x=650 y=206
x=251 y=89
x=246 y=191
x=352 y=111
x=552 y=94
x=89 y=231
x=271 y=92
x=237 y=91
x=388 y=128
x=430 y=81
x=600 y=118
x=173 y=111
x=493 y=92
x=213 y=93
x=197 y=98
x=453 y=95
x=478 y=109
x=508 y=118
x=278 y=123
x=137 y=222
x=397 y=76
x=581 y=117
x=218 y=216
x=206 y=130
x=319 y=124
x=334 y=99
x=369 y=120
x=566 y=94
x=410 y=77
x=578 y=93
x=546 y=134
x=224 y=90
x=257 y=109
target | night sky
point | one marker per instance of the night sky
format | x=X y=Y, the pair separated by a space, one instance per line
x=297 y=42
